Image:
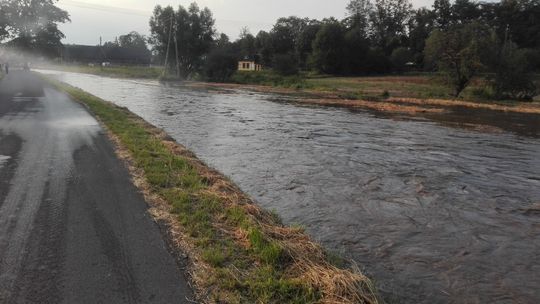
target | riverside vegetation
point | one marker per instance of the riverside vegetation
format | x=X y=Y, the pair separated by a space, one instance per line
x=465 y=42
x=239 y=253
x=411 y=93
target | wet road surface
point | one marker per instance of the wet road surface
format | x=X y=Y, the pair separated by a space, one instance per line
x=435 y=214
x=73 y=228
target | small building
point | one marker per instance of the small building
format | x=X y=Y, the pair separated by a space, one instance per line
x=249 y=65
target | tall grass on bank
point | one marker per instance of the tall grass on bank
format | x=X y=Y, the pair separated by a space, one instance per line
x=269 y=78
x=240 y=253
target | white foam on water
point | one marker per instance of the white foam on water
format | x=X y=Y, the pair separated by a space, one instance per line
x=3 y=160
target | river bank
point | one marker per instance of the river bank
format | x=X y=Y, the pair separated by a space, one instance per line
x=408 y=105
x=411 y=94
x=434 y=207
x=238 y=252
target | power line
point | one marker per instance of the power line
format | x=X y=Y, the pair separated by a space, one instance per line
x=106 y=8
x=142 y=13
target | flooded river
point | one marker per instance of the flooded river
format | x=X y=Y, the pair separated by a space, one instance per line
x=435 y=214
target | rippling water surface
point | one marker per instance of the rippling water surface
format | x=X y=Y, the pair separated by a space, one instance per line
x=434 y=214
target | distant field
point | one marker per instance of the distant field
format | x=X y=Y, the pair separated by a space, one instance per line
x=398 y=86
x=423 y=87
x=116 y=71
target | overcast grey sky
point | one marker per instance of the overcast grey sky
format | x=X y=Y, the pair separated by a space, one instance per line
x=91 y=19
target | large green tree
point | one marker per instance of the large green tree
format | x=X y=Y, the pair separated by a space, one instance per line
x=358 y=14
x=304 y=43
x=4 y=22
x=442 y=10
x=32 y=25
x=420 y=27
x=183 y=37
x=246 y=44
x=512 y=77
x=133 y=40
x=328 y=48
x=518 y=20
x=460 y=52
x=389 y=22
x=465 y=11
x=265 y=49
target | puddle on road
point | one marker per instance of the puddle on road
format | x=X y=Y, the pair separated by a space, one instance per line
x=434 y=213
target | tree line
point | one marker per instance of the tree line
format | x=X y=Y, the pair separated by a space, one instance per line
x=460 y=40
x=32 y=26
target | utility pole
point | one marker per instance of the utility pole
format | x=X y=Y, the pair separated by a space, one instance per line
x=168 y=44
x=101 y=54
x=177 y=58
x=506 y=35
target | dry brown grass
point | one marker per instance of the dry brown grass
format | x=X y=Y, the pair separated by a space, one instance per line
x=383 y=106
x=518 y=107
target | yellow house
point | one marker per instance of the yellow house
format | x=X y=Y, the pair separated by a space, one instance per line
x=249 y=65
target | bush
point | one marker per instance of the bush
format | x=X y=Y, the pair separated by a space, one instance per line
x=328 y=49
x=513 y=78
x=484 y=92
x=377 y=62
x=220 y=65
x=400 y=57
x=268 y=78
x=285 y=64
x=460 y=52
x=533 y=57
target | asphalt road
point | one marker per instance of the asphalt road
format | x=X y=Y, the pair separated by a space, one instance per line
x=73 y=228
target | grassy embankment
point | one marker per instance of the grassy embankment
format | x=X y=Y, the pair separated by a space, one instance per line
x=239 y=252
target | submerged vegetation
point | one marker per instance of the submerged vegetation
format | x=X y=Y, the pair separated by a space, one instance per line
x=240 y=253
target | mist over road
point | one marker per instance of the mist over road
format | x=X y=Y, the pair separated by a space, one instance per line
x=73 y=228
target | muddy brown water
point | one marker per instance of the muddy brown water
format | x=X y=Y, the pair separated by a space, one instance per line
x=441 y=209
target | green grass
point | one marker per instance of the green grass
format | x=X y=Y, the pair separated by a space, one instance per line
x=425 y=86
x=397 y=86
x=421 y=86
x=269 y=78
x=255 y=274
x=372 y=88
